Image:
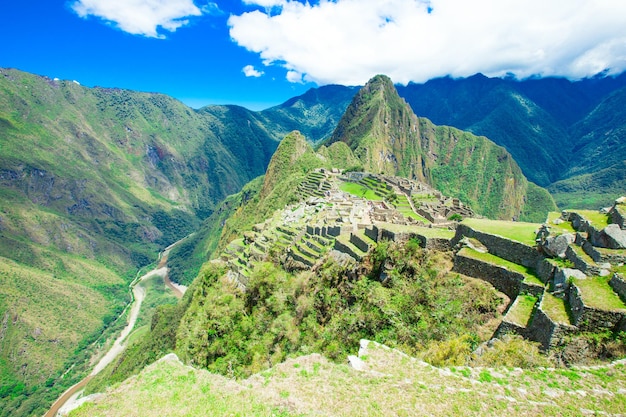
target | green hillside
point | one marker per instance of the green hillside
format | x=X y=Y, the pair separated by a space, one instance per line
x=565 y=135
x=388 y=383
x=93 y=182
x=388 y=138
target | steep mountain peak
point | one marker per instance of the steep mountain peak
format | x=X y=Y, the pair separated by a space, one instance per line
x=380 y=127
x=290 y=156
x=388 y=138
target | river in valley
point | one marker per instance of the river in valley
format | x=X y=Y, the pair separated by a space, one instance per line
x=71 y=398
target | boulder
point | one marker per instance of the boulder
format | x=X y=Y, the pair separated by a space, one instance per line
x=615 y=237
x=562 y=276
x=555 y=246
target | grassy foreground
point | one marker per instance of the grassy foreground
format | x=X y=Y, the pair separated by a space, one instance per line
x=389 y=383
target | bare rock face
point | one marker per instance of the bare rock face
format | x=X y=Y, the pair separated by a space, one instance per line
x=614 y=237
x=555 y=246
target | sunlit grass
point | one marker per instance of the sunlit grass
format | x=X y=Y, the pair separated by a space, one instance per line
x=564 y=227
x=596 y=292
x=597 y=219
x=359 y=191
x=519 y=231
x=521 y=310
x=555 y=308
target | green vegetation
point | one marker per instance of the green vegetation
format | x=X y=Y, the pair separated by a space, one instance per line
x=157 y=294
x=403 y=206
x=359 y=190
x=329 y=311
x=597 y=219
x=596 y=293
x=565 y=227
x=391 y=383
x=139 y=172
x=556 y=308
x=518 y=231
x=512 y=351
x=142 y=171
x=521 y=310
x=144 y=346
x=473 y=168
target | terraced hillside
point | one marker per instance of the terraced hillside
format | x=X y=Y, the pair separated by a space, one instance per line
x=563 y=285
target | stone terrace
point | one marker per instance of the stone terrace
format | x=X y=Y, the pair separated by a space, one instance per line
x=330 y=221
x=562 y=285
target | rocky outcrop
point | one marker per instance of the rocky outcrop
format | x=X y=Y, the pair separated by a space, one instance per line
x=618 y=283
x=613 y=237
x=618 y=213
x=556 y=246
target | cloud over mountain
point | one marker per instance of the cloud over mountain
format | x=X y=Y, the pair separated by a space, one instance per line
x=141 y=17
x=348 y=41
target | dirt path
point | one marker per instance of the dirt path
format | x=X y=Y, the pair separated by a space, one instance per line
x=139 y=294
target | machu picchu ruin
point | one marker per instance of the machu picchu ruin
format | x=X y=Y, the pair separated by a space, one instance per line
x=569 y=282
x=347 y=214
x=563 y=277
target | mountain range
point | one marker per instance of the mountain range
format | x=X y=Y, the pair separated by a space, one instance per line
x=95 y=181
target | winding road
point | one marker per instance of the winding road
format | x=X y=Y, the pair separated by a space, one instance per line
x=69 y=399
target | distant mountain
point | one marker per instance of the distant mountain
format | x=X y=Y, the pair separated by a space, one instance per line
x=384 y=133
x=315 y=113
x=555 y=129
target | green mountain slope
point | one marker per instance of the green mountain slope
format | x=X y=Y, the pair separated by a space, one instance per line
x=93 y=182
x=315 y=113
x=387 y=137
x=555 y=129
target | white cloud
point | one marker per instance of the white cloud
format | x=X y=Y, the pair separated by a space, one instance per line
x=349 y=41
x=140 y=17
x=250 y=71
x=294 y=76
x=265 y=3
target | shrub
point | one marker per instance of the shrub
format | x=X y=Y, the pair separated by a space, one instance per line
x=451 y=352
x=511 y=351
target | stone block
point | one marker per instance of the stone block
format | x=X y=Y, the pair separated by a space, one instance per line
x=555 y=246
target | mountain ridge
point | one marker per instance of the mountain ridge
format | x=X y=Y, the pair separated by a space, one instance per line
x=384 y=133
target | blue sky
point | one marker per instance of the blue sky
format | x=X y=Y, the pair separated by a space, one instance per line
x=259 y=53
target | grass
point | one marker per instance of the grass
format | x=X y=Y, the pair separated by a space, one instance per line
x=391 y=384
x=404 y=207
x=583 y=255
x=521 y=310
x=519 y=231
x=359 y=191
x=597 y=219
x=565 y=227
x=555 y=308
x=596 y=293
x=528 y=273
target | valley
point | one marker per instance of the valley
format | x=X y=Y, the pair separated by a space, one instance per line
x=332 y=218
